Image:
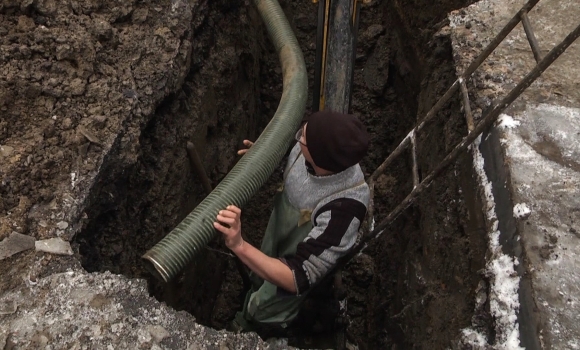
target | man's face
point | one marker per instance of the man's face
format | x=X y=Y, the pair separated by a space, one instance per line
x=304 y=145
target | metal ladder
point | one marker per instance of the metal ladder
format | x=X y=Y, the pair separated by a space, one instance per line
x=475 y=128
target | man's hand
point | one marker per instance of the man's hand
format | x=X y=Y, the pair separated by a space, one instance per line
x=232 y=234
x=271 y=269
x=248 y=144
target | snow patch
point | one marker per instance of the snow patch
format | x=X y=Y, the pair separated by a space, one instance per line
x=473 y=337
x=73 y=179
x=505 y=121
x=504 y=281
x=521 y=210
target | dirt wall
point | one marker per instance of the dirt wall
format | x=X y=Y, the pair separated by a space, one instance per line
x=416 y=285
x=79 y=82
x=216 y=108
x=99 y=101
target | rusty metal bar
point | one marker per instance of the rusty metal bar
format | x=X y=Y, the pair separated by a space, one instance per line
x=531 y=37
x=371 y=208
x=478 y=61
x=483 y=125
x=466 y=105
x=198 y=166
x=414 y=159
x=371 y=181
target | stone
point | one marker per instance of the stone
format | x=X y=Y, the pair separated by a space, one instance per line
x=8 y=307
x=6 y=151
x=62 y=225
x=54 y=246
x=158 y=333
x=25 y=24
x=14 y=244
x=140 y=15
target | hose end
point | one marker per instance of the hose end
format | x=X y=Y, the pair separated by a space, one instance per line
x=155 y=268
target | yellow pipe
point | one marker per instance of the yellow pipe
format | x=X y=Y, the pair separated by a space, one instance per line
x=323 y=63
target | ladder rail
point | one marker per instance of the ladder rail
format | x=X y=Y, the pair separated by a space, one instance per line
x=414 y=159
x=513 y=22
x=481 y=126
x=467 y=105
x=506 y=30
x=531 y=37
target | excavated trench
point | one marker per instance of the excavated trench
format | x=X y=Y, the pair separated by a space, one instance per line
x=415 y=287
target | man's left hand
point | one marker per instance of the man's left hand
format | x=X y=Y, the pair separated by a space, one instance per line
x=232 y=234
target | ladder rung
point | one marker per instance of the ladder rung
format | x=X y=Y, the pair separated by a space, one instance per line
x=531 y=37
x=478 y=61
x=400 y=148
x=466 y=105
x=482 y=125
x=414 y=158
x=381 y=169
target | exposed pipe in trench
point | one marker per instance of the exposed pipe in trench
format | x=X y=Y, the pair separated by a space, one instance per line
x=168 y=257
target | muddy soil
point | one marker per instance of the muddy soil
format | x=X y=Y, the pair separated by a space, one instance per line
x=415 y=288
x=78 y=84
x=77 y=74
x=72 y=77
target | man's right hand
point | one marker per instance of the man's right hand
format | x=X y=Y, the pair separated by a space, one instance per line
x=248 y=144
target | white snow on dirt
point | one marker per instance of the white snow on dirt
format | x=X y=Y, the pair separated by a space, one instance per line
x=521 y=210
x=504 y=303
x=543 y=154
x=500 y=269
x=505 y=121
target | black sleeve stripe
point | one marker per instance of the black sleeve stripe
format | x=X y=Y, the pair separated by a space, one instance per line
x=301 y=279
x=340 y=220
x=348 y=205
x=342 y=212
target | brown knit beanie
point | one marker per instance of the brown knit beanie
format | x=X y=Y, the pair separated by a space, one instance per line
x=336 y=141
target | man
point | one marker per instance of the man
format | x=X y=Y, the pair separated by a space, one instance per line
x=314 y=222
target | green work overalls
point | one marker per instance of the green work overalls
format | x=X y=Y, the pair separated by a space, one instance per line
x=265 y=304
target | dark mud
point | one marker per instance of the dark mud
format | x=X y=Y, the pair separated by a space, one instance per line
x=415 y=286
x=216 y=108
x=78 y=81
x=214 y=83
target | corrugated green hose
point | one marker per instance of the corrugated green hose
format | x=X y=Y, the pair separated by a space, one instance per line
x=178 y=248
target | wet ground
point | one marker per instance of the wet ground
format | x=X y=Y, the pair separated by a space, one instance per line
x=98 y=103
x=531 y=161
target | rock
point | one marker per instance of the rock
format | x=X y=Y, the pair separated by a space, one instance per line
x=8 y=307
x=77 y=87
x=374 y=31
x=140 y=15
x=46 y=7
x=62 y=225
x=25 y=24
x=54 y=246
x=66 y=123
x=99 y=121
x=158 y=333
x=102 y=29
x=14 y=244
x=6 y=151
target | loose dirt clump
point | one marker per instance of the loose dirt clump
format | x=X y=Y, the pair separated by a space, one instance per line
x=78 y=83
